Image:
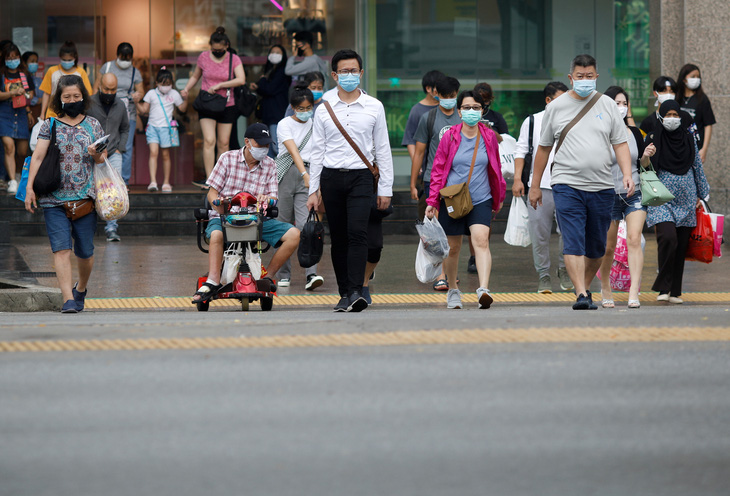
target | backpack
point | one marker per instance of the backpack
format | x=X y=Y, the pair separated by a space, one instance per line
x=311 y=241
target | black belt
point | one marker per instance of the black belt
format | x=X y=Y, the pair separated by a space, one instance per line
x=346 y=170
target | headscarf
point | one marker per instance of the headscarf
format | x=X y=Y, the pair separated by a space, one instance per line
x=675 y=151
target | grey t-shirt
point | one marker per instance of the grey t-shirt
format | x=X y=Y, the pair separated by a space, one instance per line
x=414 y=117
x=127 y=79
x=584 y=159
x=618 y=177
x=441 y=124
x=479 y=185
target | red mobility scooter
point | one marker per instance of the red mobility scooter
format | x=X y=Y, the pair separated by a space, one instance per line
x=242 y=230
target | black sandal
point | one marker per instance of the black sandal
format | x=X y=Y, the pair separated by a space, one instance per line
x=206 y=292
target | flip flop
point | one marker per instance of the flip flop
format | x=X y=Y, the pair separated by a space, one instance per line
x=206 y=292
x=441 y=285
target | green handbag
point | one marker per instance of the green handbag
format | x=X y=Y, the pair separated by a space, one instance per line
x=653 y=191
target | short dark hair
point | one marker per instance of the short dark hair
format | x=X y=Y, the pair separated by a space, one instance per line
x=311 y=77
x=485 y=91
x=66 y=82
x=301 y=93
x=430 y=79
x=69 y=48
x=304 y=37
x=553 y=87
x=583 y=60
x=345 y=54
x=219 y=36
x=681 y=85
x=164 y=75
x=447 y=85
x=662 y=82
x=28 y=55
x=469 y=93
x=124 y=49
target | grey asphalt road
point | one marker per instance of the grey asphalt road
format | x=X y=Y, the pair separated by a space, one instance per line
x=492 y=419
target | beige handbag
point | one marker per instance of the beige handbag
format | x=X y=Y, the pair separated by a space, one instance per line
x=457 y=196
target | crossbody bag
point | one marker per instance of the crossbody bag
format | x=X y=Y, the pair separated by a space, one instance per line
x=373 y=167
x=457 y=196
x=285 y=161
x=586 y=108
x=213 y=103
x=174 y=135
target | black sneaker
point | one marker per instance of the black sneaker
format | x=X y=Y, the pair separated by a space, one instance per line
x=590 y=298
x=366 y=295
x=79 y=297
x=471 y=267
x=313 y=281
x=584 y=303
x=357 y=302
x=342 y=304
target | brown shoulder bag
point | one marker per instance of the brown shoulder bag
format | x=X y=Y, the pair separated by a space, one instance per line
x=457 y=196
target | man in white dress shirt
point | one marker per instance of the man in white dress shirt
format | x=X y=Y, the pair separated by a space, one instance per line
x=340 y=178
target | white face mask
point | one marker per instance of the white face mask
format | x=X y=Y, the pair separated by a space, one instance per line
x=663 y=98
x=275 y=58
x=164 y=89
x=671 y=123
x=623 y=110
x=693 y=83
x=124 y=64
x=257 y=153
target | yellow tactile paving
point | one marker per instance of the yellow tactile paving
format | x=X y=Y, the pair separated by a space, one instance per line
x=433 y=337
x=380 y=299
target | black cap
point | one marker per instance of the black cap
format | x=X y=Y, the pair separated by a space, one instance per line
x=259 y=132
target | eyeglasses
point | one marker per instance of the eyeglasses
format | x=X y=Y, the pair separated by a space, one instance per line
x=344 y=72
x=578 y=76
x=471 y=107
x=303 y=109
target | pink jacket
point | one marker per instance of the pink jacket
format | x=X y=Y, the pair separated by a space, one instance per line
x=445 y=153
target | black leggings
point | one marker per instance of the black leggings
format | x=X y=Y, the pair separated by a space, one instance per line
x=672 y=242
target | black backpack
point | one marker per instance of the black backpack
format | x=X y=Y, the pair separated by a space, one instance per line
x=48 y=177
x=311 y=241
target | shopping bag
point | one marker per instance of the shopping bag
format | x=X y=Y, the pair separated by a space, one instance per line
x=427 y=269
x=23 y=184
x=231 y=262
x=253 y=260
x=507 y=149
x=517 y=232
x=433 y=237
x=701 y=241
x=112 y=199
x=718 y=228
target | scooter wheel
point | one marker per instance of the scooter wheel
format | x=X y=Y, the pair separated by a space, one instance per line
x=244 y=304
x=267 y=303
x=203 y=307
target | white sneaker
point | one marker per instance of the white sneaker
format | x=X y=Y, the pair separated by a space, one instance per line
x=675 y=299
x=484 y=298
x=663 y=297
x=12 y=187
x=284 y=283
x=453 y=299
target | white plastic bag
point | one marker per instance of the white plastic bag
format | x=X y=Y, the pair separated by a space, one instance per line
x=426 y=269
x=34 y=134
x=231 y=262
x=112 y=199
x=507 y=149
x=517 y=232
x=254 y=262
x=433 y=237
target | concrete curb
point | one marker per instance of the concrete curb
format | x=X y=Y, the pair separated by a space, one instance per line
x=16 y=296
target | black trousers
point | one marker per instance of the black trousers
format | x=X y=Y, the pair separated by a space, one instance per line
x=672 y=242
x=347 y=197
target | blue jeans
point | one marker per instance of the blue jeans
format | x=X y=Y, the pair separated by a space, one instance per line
x=65 y=233
x=115 y=160
x=127 y=155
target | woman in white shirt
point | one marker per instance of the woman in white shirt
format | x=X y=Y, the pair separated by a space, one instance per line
x=292 y=170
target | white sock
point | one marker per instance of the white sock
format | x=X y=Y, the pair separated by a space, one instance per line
x=211 y=281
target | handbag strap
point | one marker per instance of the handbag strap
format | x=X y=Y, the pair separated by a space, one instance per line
x=474 y=157
x=163 y=110
x=348 y=138
x=588 y=106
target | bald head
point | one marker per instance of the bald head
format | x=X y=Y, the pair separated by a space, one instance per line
x=108 y=83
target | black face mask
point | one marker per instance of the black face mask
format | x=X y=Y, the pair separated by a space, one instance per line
x=73 y=109
x=107 y=98
x=219 y=54
x=300 y=52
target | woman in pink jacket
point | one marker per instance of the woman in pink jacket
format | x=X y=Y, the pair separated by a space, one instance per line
x=487 y=188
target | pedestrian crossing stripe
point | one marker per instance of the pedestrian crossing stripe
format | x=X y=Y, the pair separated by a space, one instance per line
x=396 y=338
x=184 y=302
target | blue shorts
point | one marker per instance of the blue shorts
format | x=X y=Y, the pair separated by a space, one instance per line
x=166 y=137
x=273 y=230
x=480 y=214
x=623 y=206
x=584 y=218
x=65 y=233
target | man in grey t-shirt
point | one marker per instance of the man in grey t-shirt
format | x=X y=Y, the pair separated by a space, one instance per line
x=130 y=91
x=581 y=173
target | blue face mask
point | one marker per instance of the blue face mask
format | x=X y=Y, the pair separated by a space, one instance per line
x=317 y=94
x=348 y=82
x=33 y=67
x=447 y=103
x=584 y=87
x=471 y=117
x=12 y=64
x=68 y=64
x=305 y=116
x=437 y=98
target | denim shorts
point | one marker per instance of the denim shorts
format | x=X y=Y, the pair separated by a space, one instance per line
x=273 y=230
x=166 y=137
x=584 y=218
x=623 y=206
x=65 y=233
x=480 y=214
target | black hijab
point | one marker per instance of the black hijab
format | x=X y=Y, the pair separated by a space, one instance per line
x=675 y=150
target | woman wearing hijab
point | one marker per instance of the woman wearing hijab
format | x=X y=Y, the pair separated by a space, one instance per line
x=679 y=168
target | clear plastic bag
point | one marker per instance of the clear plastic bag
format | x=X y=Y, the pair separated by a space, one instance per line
x=517 y=232
x=112 y=199
x=433 y=237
